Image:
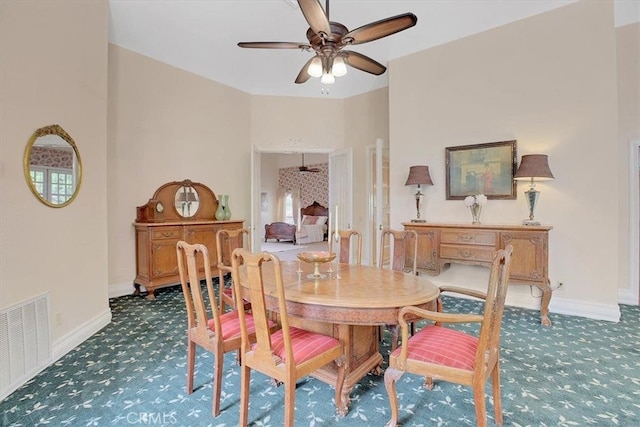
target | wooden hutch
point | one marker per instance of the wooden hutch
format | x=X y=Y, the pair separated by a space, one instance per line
x=178 y=210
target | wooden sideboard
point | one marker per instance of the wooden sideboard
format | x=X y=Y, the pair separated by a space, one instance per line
x=443 y=244
x=165 y=220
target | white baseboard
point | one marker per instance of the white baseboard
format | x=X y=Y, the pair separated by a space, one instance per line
x=76 y=337
x=571 y=307
x=121 y=289
x=627 y=296
x=590 y=310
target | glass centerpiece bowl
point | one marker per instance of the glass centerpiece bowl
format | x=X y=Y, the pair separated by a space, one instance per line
x=317 y=258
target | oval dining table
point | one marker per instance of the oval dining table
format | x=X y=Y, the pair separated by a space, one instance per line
x=349 y=302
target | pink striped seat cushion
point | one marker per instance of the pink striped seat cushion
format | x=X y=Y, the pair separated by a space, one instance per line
x=442 y=346
x=306 y=345
x=231 y=324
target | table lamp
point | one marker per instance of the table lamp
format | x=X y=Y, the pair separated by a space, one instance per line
x=536 y=168
x=418 y=175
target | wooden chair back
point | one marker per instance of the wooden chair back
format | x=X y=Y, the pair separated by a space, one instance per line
x=489 y=336
x=343 y=239
x=394 y=247
x=226 y=242
x=200 y=329
x=197 y=313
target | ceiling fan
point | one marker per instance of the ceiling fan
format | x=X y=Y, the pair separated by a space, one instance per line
x=328 y=38
x=305 y=169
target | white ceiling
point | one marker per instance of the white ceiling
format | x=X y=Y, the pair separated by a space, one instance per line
x=201 y=36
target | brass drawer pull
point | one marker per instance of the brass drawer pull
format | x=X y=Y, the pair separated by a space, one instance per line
x=467 y=238
x=167 y=233
x=465 y=253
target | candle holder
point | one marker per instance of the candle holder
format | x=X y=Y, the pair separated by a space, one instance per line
x=316 y=258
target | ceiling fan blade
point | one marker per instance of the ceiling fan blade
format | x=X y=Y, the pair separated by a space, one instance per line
x=363 y=63
x=379 y=29
x=303 y=75
x=274 y=45
x=315 y=16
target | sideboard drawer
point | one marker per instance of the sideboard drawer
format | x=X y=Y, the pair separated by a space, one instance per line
x=468 y=237
x=167 y=233
x=469 y=253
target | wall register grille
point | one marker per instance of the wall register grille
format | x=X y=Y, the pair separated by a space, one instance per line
x=25 y=342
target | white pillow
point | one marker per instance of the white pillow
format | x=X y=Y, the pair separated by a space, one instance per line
x=308 y=220
x=321 y=220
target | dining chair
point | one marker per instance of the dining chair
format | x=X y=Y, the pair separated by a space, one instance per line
x=394 y=254
x=218 y=333
x=344 y=239
x=394 y=246
x=450 y=355
x=226 y=242
x=285 y=355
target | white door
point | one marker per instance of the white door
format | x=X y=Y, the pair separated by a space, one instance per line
x=378 y=195
x=254 y=226
x=341 y=189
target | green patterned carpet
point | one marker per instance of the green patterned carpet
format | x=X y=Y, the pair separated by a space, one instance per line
x=578 y=372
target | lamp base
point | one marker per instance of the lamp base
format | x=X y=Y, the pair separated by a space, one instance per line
x=418 y=220
x=530 y=222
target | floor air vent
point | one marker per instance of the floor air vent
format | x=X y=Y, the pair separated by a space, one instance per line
x=25 y=342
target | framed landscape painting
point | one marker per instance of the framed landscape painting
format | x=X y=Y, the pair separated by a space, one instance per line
x=481 y=169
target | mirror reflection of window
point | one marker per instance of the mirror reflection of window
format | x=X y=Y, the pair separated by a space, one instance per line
x=52 y=166
x=187 y=201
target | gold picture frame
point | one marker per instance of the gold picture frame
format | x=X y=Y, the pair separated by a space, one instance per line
x=481 y=169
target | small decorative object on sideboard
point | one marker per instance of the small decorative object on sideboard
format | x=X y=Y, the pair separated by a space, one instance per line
x=220 y=211
x=475 y=204
x=227 y=209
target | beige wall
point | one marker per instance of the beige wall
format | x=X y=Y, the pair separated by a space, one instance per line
x=166 y=124
x=290 y=123
x=53 y=70
x=366 y=119
x=550 y=83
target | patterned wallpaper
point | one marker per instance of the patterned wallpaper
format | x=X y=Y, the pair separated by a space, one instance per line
x=53 y=157
x=314 y=186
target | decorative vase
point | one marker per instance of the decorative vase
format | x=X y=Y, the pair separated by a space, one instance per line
x=220 y=211
x=227 y=211
x=475 y=213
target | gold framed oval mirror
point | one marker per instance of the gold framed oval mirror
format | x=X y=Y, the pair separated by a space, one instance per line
x=52 y=166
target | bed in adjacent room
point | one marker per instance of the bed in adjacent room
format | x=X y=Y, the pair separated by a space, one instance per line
x=313 y=226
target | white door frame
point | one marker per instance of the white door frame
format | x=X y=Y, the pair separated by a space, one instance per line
x=341 y=186
x=256 y=187
x=375 y=191
x=632 y=294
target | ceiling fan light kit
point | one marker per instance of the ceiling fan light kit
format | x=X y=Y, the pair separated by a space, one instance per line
x=315 y=67
x=327 y=39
